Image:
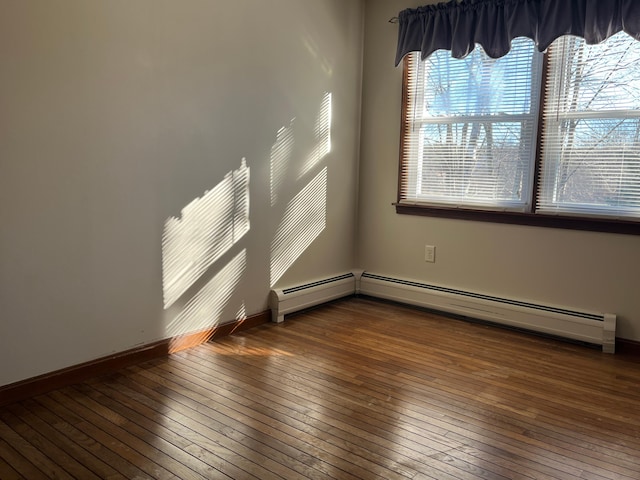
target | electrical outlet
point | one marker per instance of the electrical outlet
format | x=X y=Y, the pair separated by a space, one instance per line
x=430 y=253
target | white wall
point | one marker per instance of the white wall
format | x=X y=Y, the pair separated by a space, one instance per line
x=583 y=270
x=114 y=116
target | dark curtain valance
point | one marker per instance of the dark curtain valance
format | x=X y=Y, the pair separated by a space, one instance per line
x=458 y=25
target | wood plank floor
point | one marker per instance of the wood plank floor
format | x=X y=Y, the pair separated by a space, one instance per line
x=357 y=389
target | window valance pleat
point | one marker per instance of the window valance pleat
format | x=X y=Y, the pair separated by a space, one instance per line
x=458 y=25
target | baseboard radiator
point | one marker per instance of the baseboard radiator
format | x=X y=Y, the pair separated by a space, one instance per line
x=592 y=328
x=295 y=298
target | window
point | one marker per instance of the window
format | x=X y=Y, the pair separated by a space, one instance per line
x=524 y=139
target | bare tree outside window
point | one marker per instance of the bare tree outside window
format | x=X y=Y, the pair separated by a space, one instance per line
x=592 y=126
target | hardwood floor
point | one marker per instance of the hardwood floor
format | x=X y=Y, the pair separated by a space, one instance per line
x=357 y=389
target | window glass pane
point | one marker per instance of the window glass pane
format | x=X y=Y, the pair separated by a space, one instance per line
x=478 y=84
x=469 y=162
x=591 y=138
x=470 y=133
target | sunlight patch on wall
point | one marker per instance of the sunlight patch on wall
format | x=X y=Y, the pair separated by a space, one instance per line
x=209 y=226
x=312 y=47
x=322 y=132
x=280 y=158
x=304 y=219
x=241 y=314
x=205 y=309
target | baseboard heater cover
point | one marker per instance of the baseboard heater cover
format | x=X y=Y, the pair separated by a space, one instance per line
x=592 y=328
x=295 y=298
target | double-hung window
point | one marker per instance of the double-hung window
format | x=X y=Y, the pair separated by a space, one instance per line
x=523 y=138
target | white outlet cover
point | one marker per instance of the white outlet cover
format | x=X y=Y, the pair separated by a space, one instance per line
x=429 y=253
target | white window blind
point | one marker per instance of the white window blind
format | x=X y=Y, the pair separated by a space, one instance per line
x=591 y=137
x=469 y=135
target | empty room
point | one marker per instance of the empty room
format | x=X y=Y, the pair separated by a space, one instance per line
x=348 y=239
